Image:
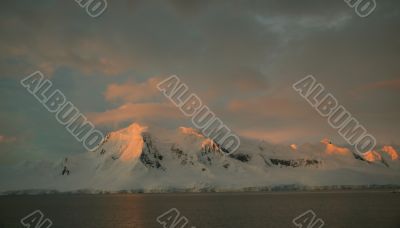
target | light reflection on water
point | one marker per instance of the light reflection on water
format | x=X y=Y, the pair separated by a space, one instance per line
x=349 y=209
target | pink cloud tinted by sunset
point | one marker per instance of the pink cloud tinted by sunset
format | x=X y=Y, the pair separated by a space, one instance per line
x=7 y=139
x=379 y=85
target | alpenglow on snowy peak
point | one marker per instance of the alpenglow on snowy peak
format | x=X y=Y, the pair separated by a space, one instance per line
x=139 y=158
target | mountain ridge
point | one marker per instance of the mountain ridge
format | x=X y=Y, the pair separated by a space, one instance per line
x=140 y=158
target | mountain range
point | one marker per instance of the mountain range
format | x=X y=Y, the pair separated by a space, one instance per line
x=148 y=159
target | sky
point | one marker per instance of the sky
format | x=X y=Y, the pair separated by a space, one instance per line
x=240 y=57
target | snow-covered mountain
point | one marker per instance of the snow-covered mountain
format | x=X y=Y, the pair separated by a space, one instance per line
x=139 y=158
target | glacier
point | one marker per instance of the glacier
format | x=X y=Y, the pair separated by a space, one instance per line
x=149 y=159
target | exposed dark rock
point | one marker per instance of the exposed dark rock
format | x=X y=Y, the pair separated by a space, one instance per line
x=65 y=171
x=184 y=157
x=241 y=157
x=150 y=156
x=295 y=163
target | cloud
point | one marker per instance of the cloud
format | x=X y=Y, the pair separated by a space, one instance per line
x=282 y=135
x=7 y=139
x=333 y=149
x=385 y=85
x=189 y=7
x=133 y=92
x=247 y=80
x=135 y=112
x=240 y=57
x=270 y=106
x=31 y=42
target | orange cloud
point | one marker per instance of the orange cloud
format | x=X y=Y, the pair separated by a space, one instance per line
x=293 y=146
x=6 y=139
x=372 y=156
x=333 y=149
x=380 y=85
x=391 y=151
x=190 y=131
x=135 y=112
x=133 y=92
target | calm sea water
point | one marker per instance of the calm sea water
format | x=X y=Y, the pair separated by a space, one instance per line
x=208 y=210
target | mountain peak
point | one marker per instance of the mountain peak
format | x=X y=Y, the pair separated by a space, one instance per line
x=190 y=131
x=134 y=128
x=127 y=141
